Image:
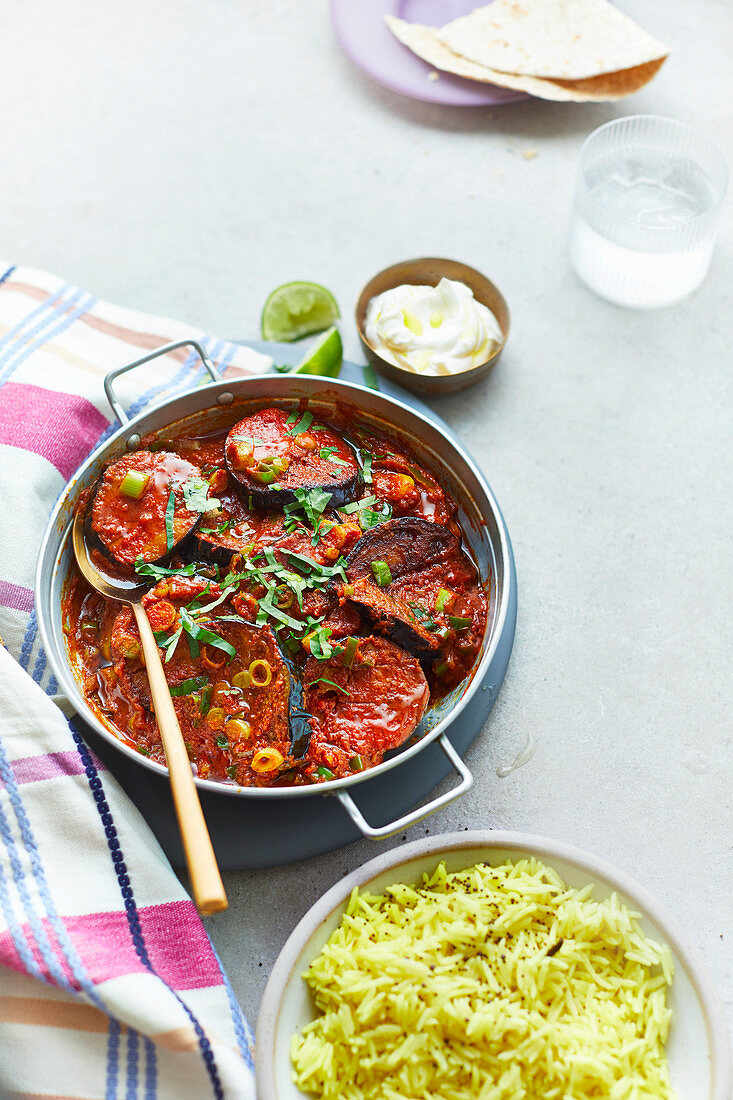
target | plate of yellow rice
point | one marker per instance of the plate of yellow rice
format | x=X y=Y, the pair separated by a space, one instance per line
x=490 y=966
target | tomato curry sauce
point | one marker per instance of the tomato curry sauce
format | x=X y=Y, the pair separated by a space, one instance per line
x=310 y=596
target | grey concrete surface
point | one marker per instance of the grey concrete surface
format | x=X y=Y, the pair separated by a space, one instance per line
x=186 y=157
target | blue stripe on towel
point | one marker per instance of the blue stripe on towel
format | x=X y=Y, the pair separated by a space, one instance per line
x=12 y=363
x=133 y=918
x=40 y=311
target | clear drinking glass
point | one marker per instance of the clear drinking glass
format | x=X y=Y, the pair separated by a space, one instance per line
x=647 y=205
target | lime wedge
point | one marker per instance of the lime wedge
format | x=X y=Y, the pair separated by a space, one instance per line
x=298 y=309
x=324 y=357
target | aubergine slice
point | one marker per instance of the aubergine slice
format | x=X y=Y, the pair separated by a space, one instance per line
x=405 y=546
x=231 y=531
x=143 y=506
x=271 y=459
x=362 y=711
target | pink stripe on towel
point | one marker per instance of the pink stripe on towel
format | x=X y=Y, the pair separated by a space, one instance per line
x=12 y=595
x=176 y=943
x=58 y=426
x=51 y=765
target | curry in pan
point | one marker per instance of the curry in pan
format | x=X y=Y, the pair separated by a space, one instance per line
x=310 y=592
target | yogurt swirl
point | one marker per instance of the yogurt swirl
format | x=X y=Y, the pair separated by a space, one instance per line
x=432 y=330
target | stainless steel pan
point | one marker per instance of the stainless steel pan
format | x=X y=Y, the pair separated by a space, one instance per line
x=219 y=402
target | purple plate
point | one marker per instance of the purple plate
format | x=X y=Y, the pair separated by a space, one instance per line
x=365 y=37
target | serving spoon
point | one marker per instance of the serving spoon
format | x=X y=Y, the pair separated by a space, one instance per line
x=203 y=871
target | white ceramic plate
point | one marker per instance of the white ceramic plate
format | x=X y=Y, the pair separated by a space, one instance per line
x=698 y=1048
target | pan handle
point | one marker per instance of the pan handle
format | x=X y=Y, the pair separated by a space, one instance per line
x=416 y=815
x=112 y=376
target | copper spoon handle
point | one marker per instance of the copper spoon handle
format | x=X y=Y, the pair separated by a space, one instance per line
x=207 y=887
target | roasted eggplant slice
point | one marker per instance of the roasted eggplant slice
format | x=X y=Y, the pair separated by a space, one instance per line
x=232 y=530
x=404 y=545
x=393 y=617
x=422 y=590
x=364 y=708
x=274 y=457
x=144 y=505
x=383 y=555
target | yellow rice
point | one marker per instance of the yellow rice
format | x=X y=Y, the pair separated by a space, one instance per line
x=497 y=983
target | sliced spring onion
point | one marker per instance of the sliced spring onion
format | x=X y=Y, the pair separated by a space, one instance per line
x=440 y=669
x=356 y=763
x=222 y=743
x=265 y=475
x=326 y=773
x=169 y=510
x=232 y=771
x=445 y=599
x=215 y=718
x=382 y=574
x=187 y=687
x=349 y=651
x=238 y=728
x=133 y=484
x=458 y=622
x=260 y=673
x=267 y=760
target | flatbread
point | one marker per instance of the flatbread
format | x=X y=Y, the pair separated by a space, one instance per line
x=569 y=39
x=425 y=42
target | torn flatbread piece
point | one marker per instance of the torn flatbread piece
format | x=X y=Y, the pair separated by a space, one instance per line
x=566 y=39
x=425 y=43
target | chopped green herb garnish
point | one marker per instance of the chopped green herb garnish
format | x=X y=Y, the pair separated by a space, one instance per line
x=330 y=683
x=168 y=642
x=326 y=773
x=320 y=645
x=327 y=452
x=222 y=742
x=303 y=424
x=146 y=569
x=458 y=622
x=199 y=634
x=196 y=498
x=169 y=510
x=205 y=703
x=232 y=771
x=187 y=687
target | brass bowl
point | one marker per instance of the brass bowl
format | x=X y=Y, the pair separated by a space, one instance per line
x=428 y=272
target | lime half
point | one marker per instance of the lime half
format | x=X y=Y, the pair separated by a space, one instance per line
x=325 y=357
x=298 y=309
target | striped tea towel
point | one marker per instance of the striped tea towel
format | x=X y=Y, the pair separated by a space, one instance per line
x=109 y=985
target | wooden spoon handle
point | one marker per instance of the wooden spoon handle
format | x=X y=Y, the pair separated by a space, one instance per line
x=208 y=889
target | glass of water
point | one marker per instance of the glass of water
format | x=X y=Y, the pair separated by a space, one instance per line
x=647 y=205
